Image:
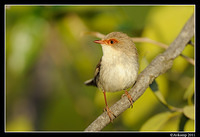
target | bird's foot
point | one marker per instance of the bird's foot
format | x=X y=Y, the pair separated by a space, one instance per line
x=129 y=98
x=109 y=112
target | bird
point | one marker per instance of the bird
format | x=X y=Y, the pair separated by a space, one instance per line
x=117 y=69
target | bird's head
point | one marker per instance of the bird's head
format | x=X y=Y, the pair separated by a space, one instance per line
x=118 y=41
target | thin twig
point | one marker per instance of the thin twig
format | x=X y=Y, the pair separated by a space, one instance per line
x=137 y=39
x=158 y=66
x=162 y=45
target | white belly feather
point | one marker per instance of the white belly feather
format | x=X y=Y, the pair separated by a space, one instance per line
x=118 y=72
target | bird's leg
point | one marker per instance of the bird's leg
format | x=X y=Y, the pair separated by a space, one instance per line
x=109 y=112
x=129 y=97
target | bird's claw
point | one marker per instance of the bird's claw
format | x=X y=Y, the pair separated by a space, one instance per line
x=129 y=98
x=109 y=112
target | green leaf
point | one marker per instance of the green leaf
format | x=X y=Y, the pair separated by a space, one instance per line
x=189 y=92
x=172 y=123
x=183 y=120
x=189 y=126
x=161 y=98
x=155 y=122
x=154 y=88
x=162 y=121
x=158 y=94
x=189 y=111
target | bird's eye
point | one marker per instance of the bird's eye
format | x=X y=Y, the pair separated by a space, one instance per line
x=111 y=41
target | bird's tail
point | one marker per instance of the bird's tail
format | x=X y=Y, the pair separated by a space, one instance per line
x=90 y=82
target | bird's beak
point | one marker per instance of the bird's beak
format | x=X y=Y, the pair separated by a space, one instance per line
x=100 y=41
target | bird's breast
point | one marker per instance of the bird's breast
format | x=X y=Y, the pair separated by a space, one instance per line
x=118 y=73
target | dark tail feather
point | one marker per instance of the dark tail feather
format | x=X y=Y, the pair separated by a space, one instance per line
x=90 y=82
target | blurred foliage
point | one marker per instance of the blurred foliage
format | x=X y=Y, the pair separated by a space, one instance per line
x=47 y=61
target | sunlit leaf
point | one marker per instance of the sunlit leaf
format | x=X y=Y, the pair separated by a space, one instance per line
x=160 y=97
x=154 y=123
x=189 y=126
x=173 y=123
x=157 y=122
x=158 y=94
x=189 y=92
x=154 y=88
x=189 y=111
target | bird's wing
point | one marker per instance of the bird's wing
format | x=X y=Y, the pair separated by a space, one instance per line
x=93 y=82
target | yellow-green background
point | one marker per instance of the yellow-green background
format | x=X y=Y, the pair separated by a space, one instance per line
x=48 y=59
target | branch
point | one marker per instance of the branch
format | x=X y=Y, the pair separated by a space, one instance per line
x=158 y=66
